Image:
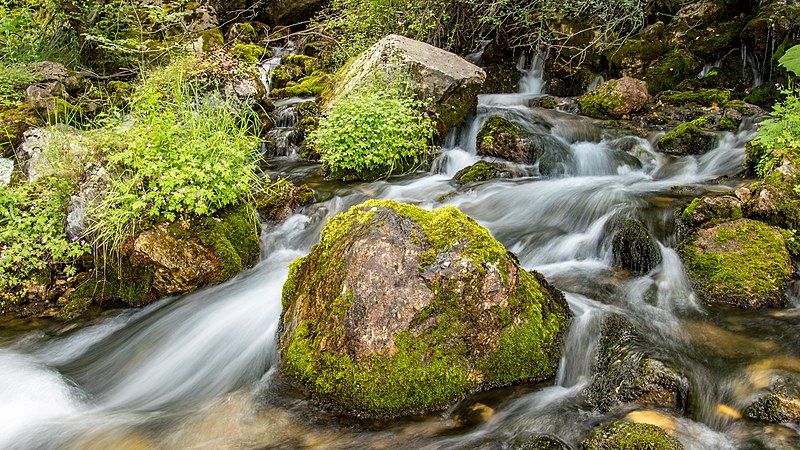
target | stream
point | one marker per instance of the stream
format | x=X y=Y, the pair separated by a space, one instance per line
x=201 y=371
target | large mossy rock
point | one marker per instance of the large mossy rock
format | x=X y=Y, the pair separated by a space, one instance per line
x=634 y=249
x=689 y=138
x=621 y=435
x=668 y=71
x=481 y=171
x=399 y=311
x=623 y=375
x=774 y=199
x=742 y=263
x=450 y=82
x=615 y=99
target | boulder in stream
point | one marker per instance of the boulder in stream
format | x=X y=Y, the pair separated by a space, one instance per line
x=481 y=171
x=500 y=138
x=619 y=435
x=624 y=375
x=689 y=138
x=742 y=263
x=634 y=249
x=780 y=405
x=400 y=311
x=450 y=82
x=615 y=99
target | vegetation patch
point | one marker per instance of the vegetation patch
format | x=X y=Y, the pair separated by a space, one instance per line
x=622 y=435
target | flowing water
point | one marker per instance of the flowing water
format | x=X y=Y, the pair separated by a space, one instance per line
x=201 y=371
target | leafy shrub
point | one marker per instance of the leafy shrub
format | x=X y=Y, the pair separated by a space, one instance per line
x=373 y=133
x=187 y=153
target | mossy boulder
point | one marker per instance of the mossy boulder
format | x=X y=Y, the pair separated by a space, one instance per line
x=280 y=199
x=13 y=125
x=634 y=249
x=481 y=171
x=780 y=405
x=249 y=52
x=701 y=97
x=615 y=99
x=742 y=263
x=243 y=32
x=500 y=138
x=689 y=138
x=400 y=311
x=540 y=442
x=774 y=199
x=713 y=210
x=622 y=435
x=308 y=86
x=636 y=53
x=448 y=81
x=624 y=375
x=668 y=71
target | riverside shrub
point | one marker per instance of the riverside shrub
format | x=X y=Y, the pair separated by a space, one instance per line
x=373 y=133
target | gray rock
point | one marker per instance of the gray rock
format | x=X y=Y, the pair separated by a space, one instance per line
x=634 y=249
x=450 y=81
x=49 y=71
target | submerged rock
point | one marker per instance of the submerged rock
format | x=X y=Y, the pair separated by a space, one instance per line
x=449 y=81
x=615 y=99
x=634 y=249
x=399 y=311
x=623 y=375
x=742 y=263
x=780 y=405
x=619 y=435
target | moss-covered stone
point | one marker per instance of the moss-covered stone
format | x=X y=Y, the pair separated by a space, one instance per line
x=308 y=64
x=502 y=77
x=702 y=97
x=500 y=138
x=539 y=443
x=764 y=95
x=211 y=39
x=614 y=99
x=13 y=124
x=461 y=315
x=233 y=235
x=634 y=249
x=711 y=40
x=635 y=54
x=774 y=198
x=250 y=52
x=669 y=70
x=278 y=200
x=689 y=138
x=742 y=263
x=714 y=210
x=308 y=86
x=480 y=171
x=621 y=435
x=780 y=405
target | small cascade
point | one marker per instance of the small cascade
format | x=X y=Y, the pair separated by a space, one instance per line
x=749 y=64
x=532 y=81
x=268 y=67
x=282 y=139
x=596 y=81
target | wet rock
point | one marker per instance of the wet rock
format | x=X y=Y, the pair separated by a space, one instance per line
x=775 y=26
x=624 y=375
x=638 y=52
x=634 y=249
x=619 y=434
x=669 y=70
x=399 y=311
x=701 y=27
x=280 y=199
x=242 y=32
x=700 y=97
x=88 y=191
x=615 y=99
x=742 y=263
x=712 y=209
x=540 y=442
x=689 y=138
x=450 y=81
x=774 y=199
x=502 y=139
x=481 y=171
x=557 y=160
x=780 y=405
x=475 y=414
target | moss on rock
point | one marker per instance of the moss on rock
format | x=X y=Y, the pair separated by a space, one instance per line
x=634 y=249
x=480 y=171
x=614 y=99
x=249 y=52
x=308 y=86
x=669 y=70
x=780 y=405
x=621 y=435
x=461 y=315
x=742 y=263
x=701 y=97
x=278 y=200
x=689 y=138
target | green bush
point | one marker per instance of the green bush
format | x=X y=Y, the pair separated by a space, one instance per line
x=372 y=134
x=187 y=153
x=777 y=134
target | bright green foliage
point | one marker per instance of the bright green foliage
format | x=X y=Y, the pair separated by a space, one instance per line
x=777 y=134
x=35 y=30
x=621 y=435
x=458 y=25
x=14 y=78
x=186 y=154
x=32 y=236
x=373 y=133
x=791 y=60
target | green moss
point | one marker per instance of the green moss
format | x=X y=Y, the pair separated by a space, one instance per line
x=275 y=201
x=621 y=435
x=234 y=237
x=212 y=39
x=702 y=97
x=307 y=63
x=480 y=171
x=746 y=265
x=430 y=366
x=601 y=102
x=13 y=123
x=669 y=70
x=635 y=53
x=714 y=210
x=495 y=126
x=249 y=52
x=308 y=86
x=727 y=124
x=688 y=138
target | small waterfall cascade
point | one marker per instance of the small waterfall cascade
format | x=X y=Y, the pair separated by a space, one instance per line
x=266 y=68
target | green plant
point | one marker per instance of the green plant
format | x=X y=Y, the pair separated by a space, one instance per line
x=791 y=60
x=778 y=133
x=187 y=153
x=374 y=133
